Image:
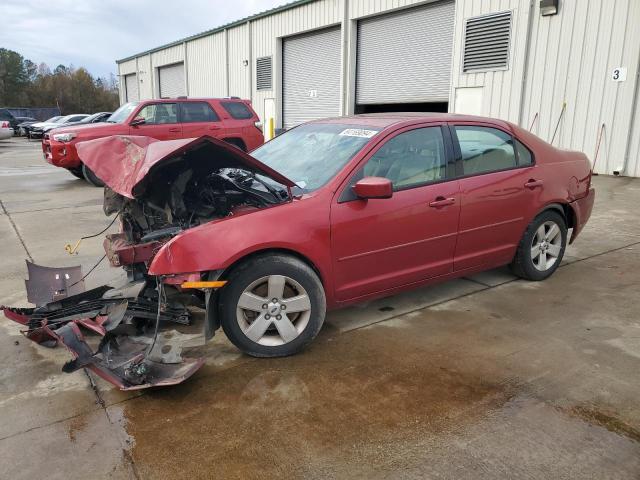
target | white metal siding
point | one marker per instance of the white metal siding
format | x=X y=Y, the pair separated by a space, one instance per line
x=131 y=87
x=571 y=57
x=171 y=81
x=206 y=66
x=311 y=77
x=239 y=54
x=406 y=56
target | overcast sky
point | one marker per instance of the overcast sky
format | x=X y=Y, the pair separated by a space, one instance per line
x=95 y=33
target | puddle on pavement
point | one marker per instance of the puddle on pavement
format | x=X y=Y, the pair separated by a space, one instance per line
x=359 y=396
x=352 y=404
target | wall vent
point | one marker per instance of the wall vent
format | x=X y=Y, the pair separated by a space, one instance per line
x=486 y=42
x=264 y=73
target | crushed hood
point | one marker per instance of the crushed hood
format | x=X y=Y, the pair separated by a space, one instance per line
x=123 y=162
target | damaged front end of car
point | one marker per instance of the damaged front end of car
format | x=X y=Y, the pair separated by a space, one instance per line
x=134 y=335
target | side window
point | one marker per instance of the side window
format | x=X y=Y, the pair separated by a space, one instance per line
x=485 y=149
x=410 y=159
x=197 y=112
x=237 y=110
x=524 y=155
x=157 y=113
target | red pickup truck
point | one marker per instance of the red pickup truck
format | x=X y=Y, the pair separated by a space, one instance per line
x=229 y=119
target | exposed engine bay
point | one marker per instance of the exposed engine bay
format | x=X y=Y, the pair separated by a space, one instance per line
x=133 y=335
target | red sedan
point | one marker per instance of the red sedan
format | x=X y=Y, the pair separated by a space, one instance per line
x=331 y=213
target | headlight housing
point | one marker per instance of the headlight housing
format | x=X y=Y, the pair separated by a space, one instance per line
x=64 y=137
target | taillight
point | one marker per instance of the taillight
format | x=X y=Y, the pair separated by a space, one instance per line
x=5 y=125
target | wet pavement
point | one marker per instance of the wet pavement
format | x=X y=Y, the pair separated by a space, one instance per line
x=486 y=377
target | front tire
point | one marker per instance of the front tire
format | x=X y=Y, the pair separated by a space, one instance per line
x=91 y=177
x=272 y=306
x=542 y=247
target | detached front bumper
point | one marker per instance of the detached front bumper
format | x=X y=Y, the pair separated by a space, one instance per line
x=118 y=333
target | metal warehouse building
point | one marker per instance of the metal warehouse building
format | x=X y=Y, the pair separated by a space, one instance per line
x=566 y=69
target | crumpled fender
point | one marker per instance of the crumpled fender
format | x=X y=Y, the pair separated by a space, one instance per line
x=217 y=245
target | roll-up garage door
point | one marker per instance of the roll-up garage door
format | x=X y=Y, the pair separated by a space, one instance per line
x=311 y=77
x=406 y=56
x=131 y=87
x=171 y=81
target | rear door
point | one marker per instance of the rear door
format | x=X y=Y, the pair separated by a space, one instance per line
x=199 y=118
x=497 y=196
x=161 y=121
x=381 y=244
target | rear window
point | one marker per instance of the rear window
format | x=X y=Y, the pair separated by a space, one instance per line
x=238 y=110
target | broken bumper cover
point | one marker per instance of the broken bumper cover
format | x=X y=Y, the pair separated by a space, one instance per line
x=107 y=330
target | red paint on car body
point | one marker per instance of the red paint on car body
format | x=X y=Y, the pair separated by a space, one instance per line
x=370 y=248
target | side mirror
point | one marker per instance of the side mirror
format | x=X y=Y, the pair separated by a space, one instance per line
x=373 y=187
x=137 y=121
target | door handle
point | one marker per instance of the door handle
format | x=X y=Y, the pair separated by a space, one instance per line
x=440 y=202
x=532 y=183
x=174 y=129
x=214 y=127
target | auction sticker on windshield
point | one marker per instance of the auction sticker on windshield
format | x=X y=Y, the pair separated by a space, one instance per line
x=358 y=132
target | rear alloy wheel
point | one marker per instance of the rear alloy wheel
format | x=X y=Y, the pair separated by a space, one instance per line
x=542 y=247
x=272 y=306
x=91 y=177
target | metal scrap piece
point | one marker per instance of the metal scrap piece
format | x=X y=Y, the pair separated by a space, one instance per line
x=46 y=284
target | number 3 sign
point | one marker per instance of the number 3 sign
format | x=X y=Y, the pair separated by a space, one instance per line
x=619 y=74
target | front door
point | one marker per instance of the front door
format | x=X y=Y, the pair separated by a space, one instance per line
x=380 y=244
x=160 y=122
x=496 y=201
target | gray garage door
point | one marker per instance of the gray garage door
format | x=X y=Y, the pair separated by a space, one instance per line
x=311 y=77
x=131 y=87
x=406 y=56
x=171 y=81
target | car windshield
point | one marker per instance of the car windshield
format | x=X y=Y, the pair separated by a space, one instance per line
x=121 y=114
x=312 y=154
x=53 y=120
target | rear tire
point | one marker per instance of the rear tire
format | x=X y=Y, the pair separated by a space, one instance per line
x=542 y=247
x=91 y=177
x=76 y=172
x=272 y=306
x=236 y=142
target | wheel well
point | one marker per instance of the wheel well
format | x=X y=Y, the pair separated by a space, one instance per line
x=260 y=253
x=565 y=210
x=238 y=142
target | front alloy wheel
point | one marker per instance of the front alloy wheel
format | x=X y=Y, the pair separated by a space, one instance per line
x=273 y=305
x=273 y=310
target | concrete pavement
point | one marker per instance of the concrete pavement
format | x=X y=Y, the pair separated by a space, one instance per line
x=485 y=377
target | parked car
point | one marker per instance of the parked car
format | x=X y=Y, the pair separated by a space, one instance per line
x=230 y=119
x=19 y=121
x=30 y=127
x=330 y=213
x=7 y=116
x=38 y=130
x=5 y=130
x=24 y=126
